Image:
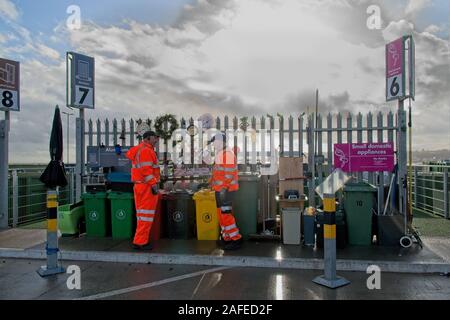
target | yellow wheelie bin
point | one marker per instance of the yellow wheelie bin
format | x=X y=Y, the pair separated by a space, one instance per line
x=206 y=211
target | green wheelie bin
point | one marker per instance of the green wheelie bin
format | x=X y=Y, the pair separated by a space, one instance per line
x=98 y=219
x=122 y=214
x=359 y=199
x=245 y=205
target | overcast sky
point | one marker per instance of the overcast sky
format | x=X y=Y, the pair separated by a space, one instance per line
x=223 y=57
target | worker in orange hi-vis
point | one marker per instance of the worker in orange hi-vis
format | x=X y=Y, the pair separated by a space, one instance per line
x=224 y=182
x=145 y=175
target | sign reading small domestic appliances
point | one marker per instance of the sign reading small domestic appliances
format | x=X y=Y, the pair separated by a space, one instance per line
x=359 y=157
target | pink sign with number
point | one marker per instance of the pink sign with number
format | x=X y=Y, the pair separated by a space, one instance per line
x=359 y=157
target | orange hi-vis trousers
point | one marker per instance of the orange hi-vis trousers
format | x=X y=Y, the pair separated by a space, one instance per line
x=146 y=203
x=229 y=229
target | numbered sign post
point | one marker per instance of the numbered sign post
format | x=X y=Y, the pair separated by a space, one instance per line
x=395 y=70
x=9 y=85
x=400 y=65
x=9 y=101
x=81 y=95
x=80 y=81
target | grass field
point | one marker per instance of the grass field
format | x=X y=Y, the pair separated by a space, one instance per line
x=431 y=225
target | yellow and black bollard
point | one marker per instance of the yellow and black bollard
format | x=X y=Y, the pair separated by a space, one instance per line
x=330 y=279
x=51 y=247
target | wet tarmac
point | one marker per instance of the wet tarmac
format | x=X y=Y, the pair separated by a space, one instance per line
x=19 y=280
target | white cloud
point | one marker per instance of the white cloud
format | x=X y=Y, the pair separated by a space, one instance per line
x=240 y=58
x=397 y=29
x=47 y=51
x=8 y=10
x=433 y=29
x=415 y=6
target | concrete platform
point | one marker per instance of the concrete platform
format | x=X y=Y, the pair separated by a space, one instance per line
x=22 y=238
x=431 y=259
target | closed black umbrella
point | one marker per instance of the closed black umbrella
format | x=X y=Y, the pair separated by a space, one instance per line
x=55 y=174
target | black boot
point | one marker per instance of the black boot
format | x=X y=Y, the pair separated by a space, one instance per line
x=145 y=247
x=234 y=245
x=222 y=243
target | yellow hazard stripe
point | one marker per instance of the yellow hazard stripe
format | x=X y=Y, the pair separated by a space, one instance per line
x=329 y=231
x=329 y=204
x=52 y=225
x=51 y=196
x=52 y=204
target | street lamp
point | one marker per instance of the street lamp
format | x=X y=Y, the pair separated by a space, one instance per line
x=67 y=146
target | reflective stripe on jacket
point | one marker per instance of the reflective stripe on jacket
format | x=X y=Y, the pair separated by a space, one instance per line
x=145 y=168
x=225 y=172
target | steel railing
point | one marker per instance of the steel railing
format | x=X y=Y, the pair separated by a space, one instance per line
x=27 y=195
x=430 y=184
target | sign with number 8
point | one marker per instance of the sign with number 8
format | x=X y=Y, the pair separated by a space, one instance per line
x=9 y=85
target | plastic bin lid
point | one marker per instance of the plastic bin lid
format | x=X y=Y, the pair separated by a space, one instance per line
x=252 y=178
x=204 y=195
x=121 y=195
x=64 y=207
x=94 y=195
x=359 y=187
x=173 y=195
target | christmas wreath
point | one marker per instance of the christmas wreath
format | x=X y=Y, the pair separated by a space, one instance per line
x=159 y=126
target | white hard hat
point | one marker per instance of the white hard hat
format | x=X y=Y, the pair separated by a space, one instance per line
x=207 y=120
x=219 y=137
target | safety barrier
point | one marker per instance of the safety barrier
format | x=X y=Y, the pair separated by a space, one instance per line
x=27 y=195
x=431 y=189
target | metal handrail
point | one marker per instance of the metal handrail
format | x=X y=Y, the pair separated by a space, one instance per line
x=433 y=199
x=30 y=206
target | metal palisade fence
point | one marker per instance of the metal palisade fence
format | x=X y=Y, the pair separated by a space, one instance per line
x=259 y=139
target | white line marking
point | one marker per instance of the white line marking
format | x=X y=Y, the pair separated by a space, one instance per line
x=198 y=285
x=151 y=284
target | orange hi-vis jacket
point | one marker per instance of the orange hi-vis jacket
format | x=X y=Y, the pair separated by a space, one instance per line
x=144 y=174
x=145 y=168
x=225 y=172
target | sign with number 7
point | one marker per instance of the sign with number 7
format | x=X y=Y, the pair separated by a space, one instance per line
x=80 y=81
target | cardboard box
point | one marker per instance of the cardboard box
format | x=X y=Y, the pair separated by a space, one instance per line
x=290 y=167
x=291 y=185
x=292 y=203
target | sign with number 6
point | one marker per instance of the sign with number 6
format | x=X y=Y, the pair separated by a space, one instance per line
x=397 y=69
x=9 y=85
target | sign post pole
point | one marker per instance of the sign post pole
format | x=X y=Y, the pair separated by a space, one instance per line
x=81 y=95
x=402 y=158
x=4 y=135
x=397 y=88
x=9 y=101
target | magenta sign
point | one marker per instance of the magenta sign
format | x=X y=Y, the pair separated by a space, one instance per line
x=359 y=157
x=394 y=56
x=395 y=62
